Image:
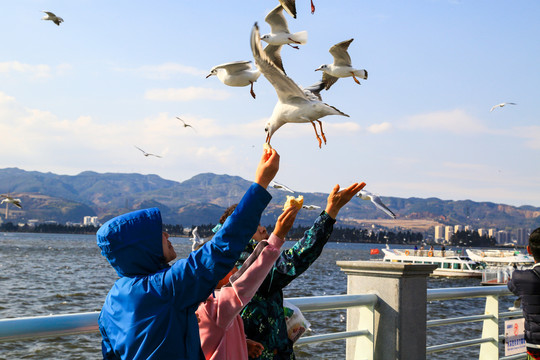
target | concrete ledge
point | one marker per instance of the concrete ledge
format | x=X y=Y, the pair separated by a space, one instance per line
x=385 y=269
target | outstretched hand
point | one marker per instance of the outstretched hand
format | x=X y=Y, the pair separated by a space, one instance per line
x=285 y=221
x=337 y=199
x=255 y=348
x=268 y=167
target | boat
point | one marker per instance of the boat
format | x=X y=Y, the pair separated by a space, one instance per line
x=496 y=257
x=500 y=264
x=449 y=263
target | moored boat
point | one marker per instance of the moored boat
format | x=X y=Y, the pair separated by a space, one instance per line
x=500 y=257
x=449 y=263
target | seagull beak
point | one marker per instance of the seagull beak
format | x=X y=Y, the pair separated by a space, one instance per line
x=207 y=76
x=318 y=69
x=268 y=138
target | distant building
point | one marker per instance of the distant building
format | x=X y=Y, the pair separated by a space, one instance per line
x=482 y=232
x=502 y=237
x=468 y=228
x=439 y=232
x=32 y=222
x=90 y=220
x=522 y=236
x=448 y=232
x=458 y=228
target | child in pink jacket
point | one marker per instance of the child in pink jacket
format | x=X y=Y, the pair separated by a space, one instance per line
x=221 y=327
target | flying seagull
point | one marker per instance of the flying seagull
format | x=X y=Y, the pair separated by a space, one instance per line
x=311 y=207
x=279 y=186
x=147 y=154
x=294 y=104
x=376 y=200
x=237 y=73
x=196 y=239
x=10 y=200
x=501 y=105
x=279 y=34
x=341 y=67
x=185 y=124
x=50 y=16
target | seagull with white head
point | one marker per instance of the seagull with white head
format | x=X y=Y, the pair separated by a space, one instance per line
x=501 y=105
x=10 y=200
x=147 y=154
x=279 y=34
x=310 y=207
x=376 y=200
x=294 y=103
x=50 y=16
x=236 y=73
x=341 y=67
x=279 y=186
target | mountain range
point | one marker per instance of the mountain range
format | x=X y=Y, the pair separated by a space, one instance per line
x=203 y=198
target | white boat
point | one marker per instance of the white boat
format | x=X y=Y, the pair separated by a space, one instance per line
x=496 y=257
x=449 y=263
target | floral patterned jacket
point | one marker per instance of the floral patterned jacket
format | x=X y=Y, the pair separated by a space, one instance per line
x=264 y=320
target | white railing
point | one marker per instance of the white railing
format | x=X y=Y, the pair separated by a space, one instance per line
x=491 y=334
x=59 y=325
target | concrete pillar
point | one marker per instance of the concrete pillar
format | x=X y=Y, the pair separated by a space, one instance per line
x=400 y=315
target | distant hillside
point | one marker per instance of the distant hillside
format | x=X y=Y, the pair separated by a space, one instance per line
x=202 y=199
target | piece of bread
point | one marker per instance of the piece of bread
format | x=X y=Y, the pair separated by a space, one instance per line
x=292 y=201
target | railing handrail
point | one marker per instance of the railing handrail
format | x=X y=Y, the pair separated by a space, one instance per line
x=70 y=324
x=466 y=292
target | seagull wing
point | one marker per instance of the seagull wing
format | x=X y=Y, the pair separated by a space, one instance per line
x=234 y=66
x=289 y=6
x=274 y=53
x=49 y=13
x=144 y=152
x=378 y=203
x=285 y=87
x=328 y=80
x=510 y=103
x=494 y=107
x=17 y=203
x=276 y=185
x=314 y=91
x=277 y=21
x=340 y=54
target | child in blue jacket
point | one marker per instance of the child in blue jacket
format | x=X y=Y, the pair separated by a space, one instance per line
x=149 y=313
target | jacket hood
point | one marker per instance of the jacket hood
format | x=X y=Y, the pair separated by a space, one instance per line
x=132 y=243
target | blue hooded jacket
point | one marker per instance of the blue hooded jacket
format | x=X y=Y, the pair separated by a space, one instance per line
x=149 y=312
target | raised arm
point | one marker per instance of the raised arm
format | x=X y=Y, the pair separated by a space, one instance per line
x=294 y=261
x=192 y=280
x=246 y=281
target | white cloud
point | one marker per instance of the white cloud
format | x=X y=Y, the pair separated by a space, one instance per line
x=165 y=71
x=379 y=128
x=35 y=71
x=531 y=134
x=454 y=121
x=186 y=94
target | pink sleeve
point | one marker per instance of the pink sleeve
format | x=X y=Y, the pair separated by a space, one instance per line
x=233 y=298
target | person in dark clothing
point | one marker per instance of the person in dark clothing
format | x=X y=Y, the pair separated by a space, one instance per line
x=526 y=285
x=264 y=318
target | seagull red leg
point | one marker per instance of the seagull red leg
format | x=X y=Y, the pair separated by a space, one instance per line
x=293 y=46
x=355 y=79
x=312 y=7
x=316 y=134
x=251 y=91
x=322 y=132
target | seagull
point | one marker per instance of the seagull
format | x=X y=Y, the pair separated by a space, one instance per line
x=294 y=104
x=341 y=67
x=50 y=16
x=311 y=207
x=196 y=239
x=237 y=73
x=10 y=200
x=279 y=34
x=279 y=186
x=501 y=105
x=375 y=199
x=185 y=124
x=147 y=154
x=290 y=7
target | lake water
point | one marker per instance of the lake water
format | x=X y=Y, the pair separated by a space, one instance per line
x=43 y=274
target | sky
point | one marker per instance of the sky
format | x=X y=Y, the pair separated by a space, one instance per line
x=116 y=74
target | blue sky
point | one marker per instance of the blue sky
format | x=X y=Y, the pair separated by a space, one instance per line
x=115 y=74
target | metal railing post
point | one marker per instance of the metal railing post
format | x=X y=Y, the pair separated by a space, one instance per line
x=399 y=330
x=490 y=329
